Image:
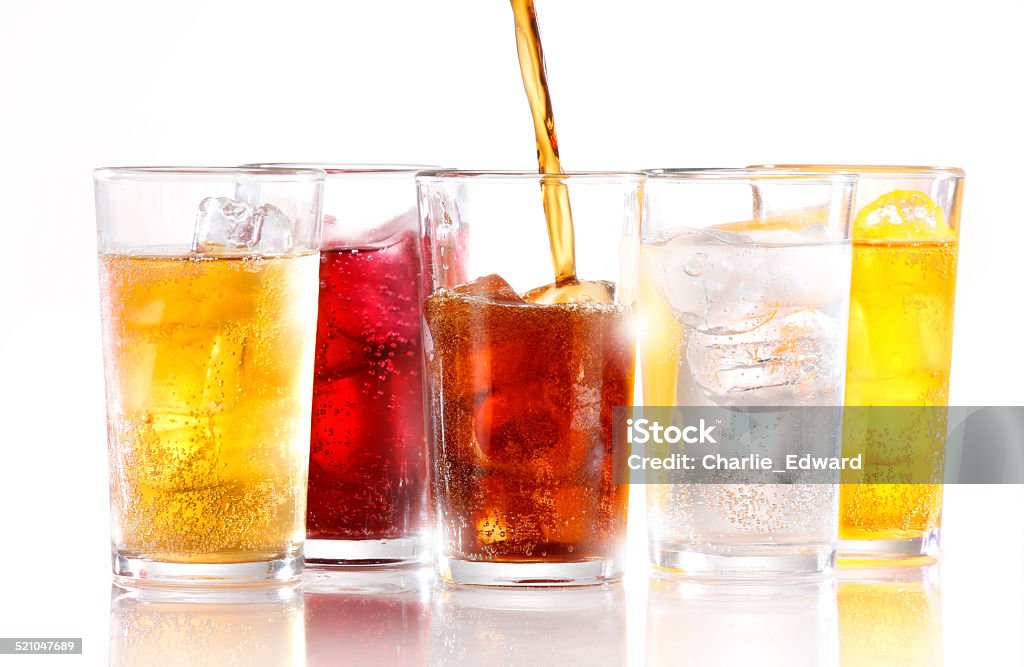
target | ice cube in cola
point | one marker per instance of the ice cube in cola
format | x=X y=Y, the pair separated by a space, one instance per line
x=573 y=291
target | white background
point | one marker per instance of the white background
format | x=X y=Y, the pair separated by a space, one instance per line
x=635 y=84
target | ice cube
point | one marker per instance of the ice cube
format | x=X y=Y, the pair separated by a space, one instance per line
x=224 y=223
x=724 y=283
x=493 y=287
x=808 y=276
x=275 y=235
x=516 y=426
x=222 y=387
x=576 y=291
x=228 y=226
x=716 y=282
x=339 y=356
x=797 y=351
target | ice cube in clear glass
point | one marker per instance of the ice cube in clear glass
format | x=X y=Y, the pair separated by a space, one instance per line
x=224 y=224
x=229 y=226
x=275 y=235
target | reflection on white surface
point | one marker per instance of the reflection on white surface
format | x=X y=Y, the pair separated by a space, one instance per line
x=890 y=616
x=791 y=625
x=494 y=627
x=376 y=618
x=863 y=617
x=157 y=627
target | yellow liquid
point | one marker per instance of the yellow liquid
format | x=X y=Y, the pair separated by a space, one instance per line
x=209 y=384
x=889 y=623
x=661 y=336
x=900 y=344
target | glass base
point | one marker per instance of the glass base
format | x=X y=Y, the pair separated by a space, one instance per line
x=364 y=553
x=133 y=572
x=491 y=573
x=923 y=547
x=367 y=581
x=743 y=562
x=273 y=592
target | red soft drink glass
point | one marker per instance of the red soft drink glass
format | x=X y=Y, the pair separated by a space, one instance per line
x=368 y=463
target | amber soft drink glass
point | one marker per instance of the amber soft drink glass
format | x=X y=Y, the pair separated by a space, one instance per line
x=367 y=501
x=208 y=293
x=524 y=376
x=906 y=228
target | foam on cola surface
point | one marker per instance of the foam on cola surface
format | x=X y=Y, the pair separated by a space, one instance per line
x=573 y=291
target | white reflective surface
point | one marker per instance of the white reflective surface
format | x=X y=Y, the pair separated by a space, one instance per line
x=859 y=617
x=700 y=624
x=965 y=610
x=368 y=618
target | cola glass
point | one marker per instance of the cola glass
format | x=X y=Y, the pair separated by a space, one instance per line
x=524 y=373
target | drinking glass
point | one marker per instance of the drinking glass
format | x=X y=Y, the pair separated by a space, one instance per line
x=524 y=374
x=906 y=229
x=367 y=501
x=744 y=294
x=208 y=292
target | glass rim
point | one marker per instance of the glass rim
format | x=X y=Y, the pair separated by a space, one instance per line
x=747 y=174
x=154 y=173
x=867 y=171
x=343 y=169
x=513 y=175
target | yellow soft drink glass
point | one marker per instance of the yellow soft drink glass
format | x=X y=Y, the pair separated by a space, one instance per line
x=905 y=240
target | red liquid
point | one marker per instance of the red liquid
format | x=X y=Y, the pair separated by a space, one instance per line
x=378 y=630
x=367 y=468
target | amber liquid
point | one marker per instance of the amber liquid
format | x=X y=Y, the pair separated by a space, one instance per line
x=209 y=378
x=554 y=192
